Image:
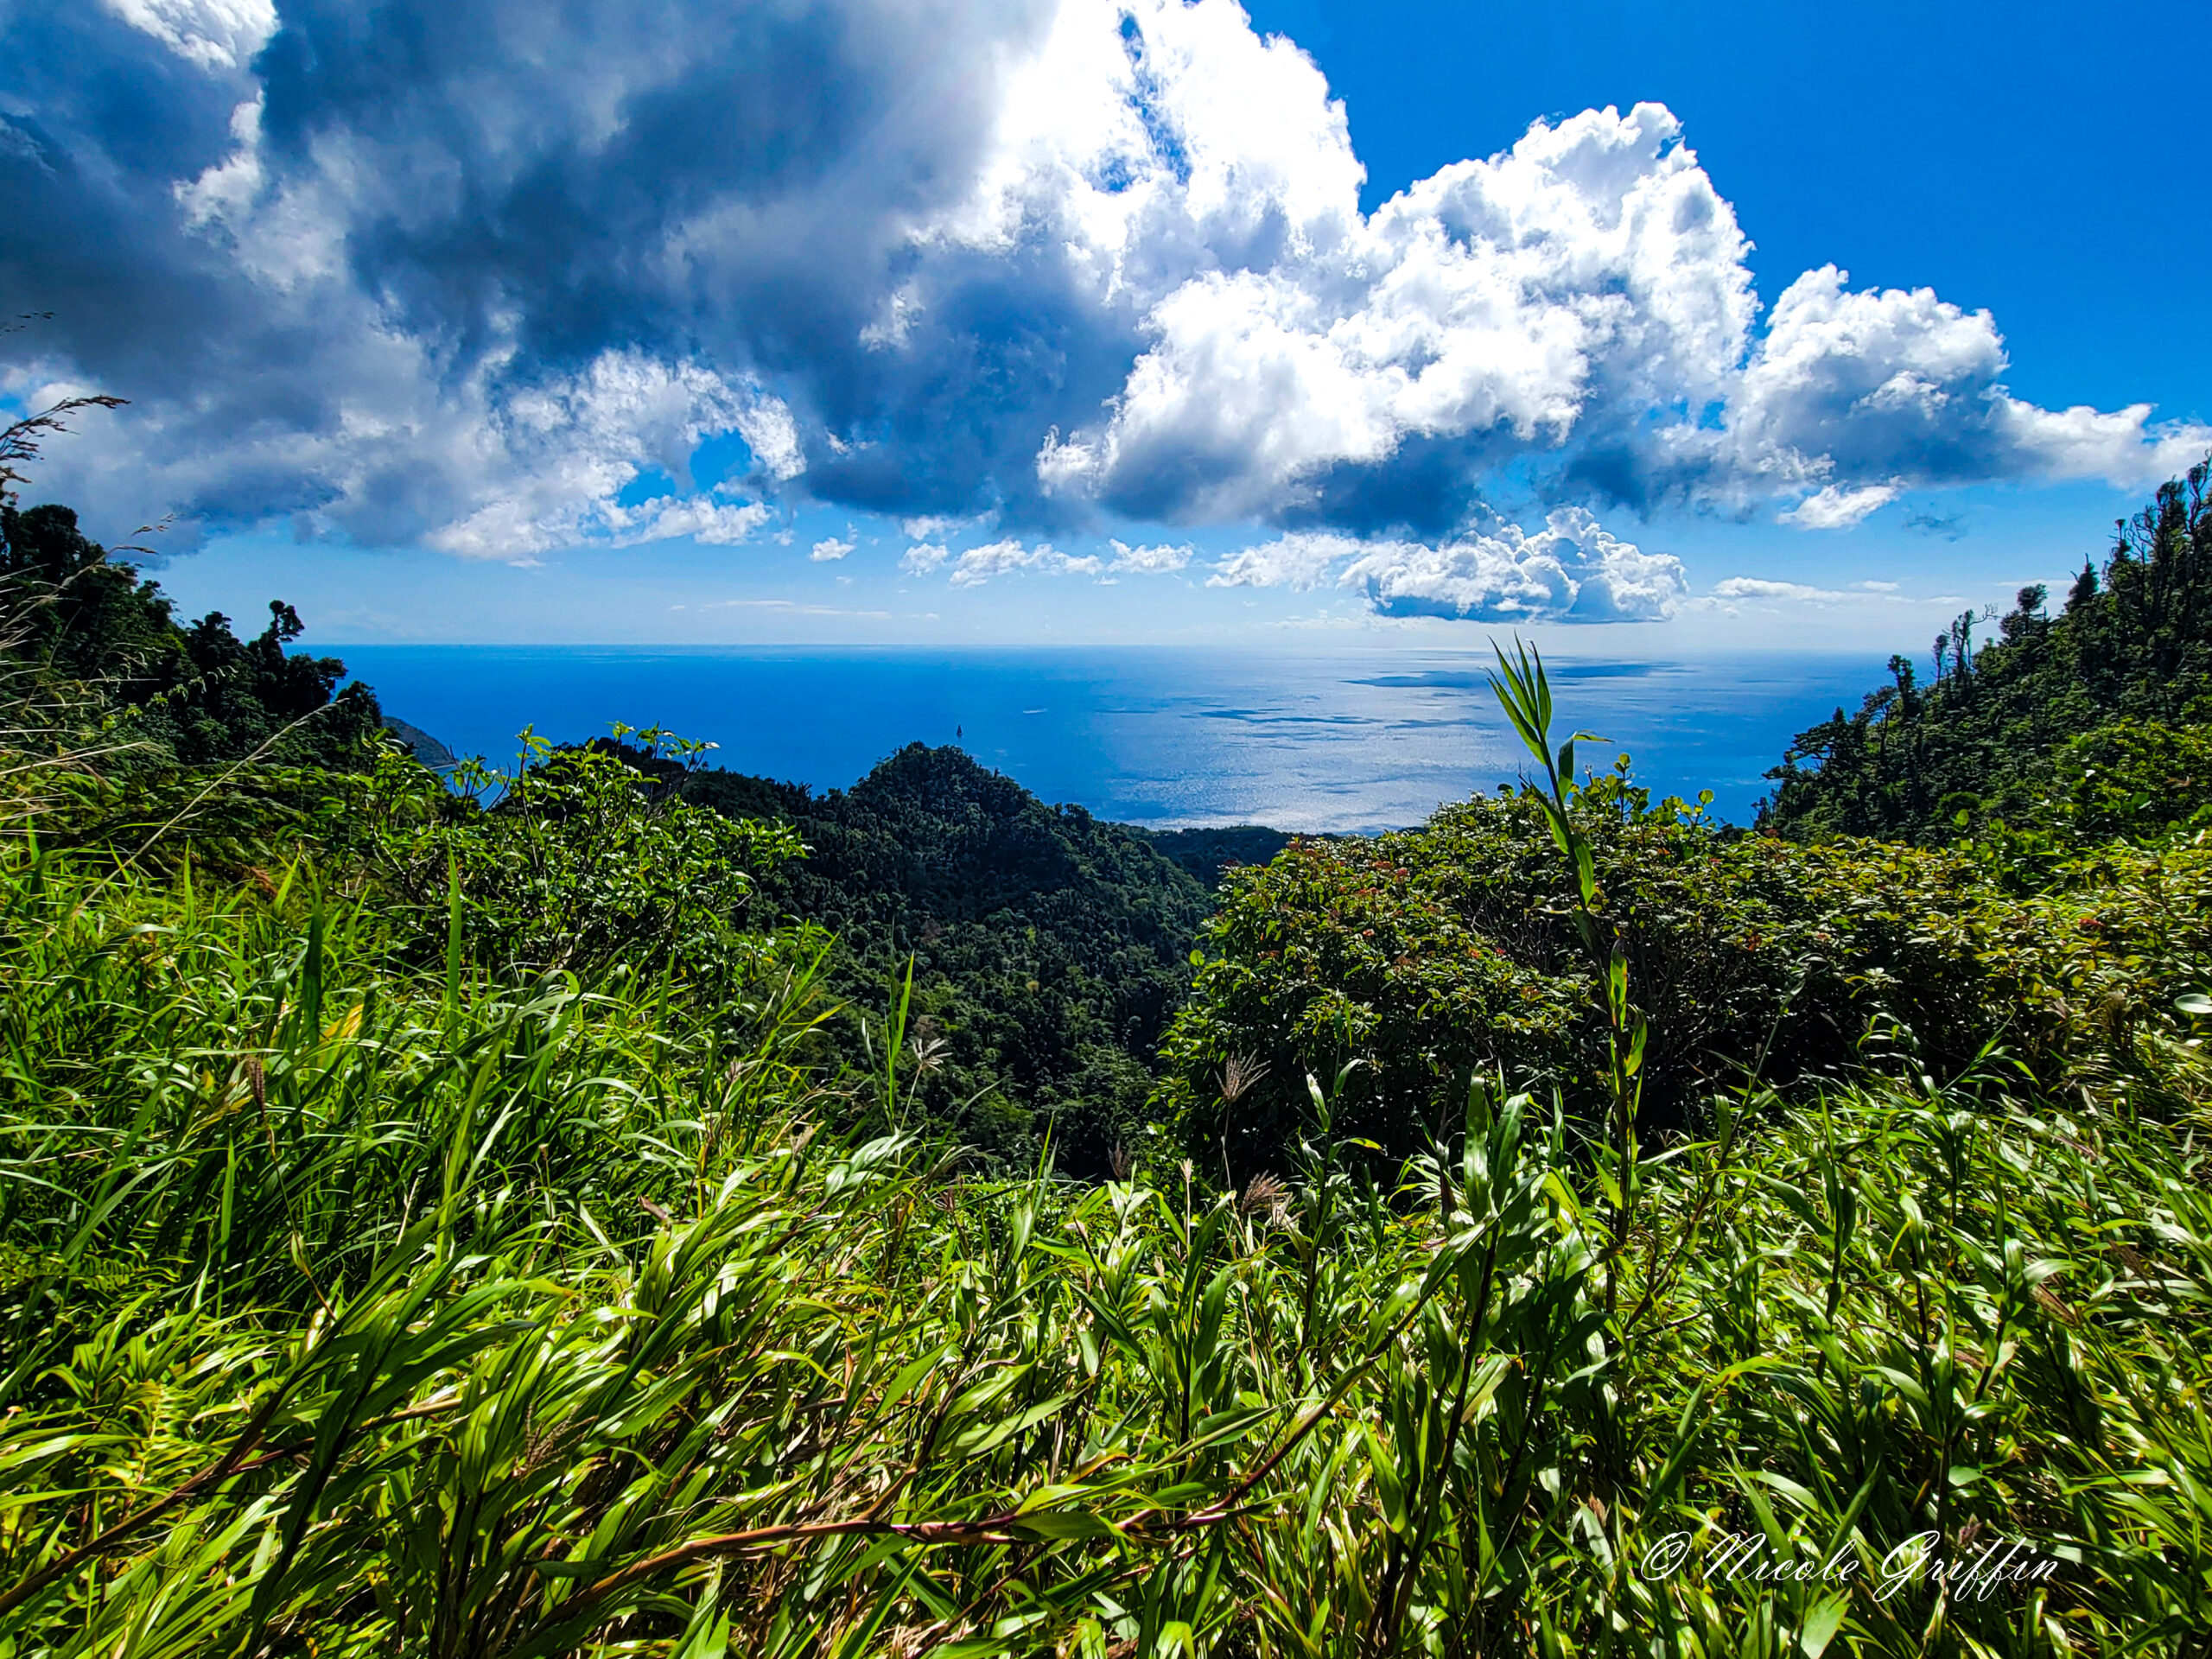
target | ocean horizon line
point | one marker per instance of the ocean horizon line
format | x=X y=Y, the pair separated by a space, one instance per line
x=1158 y=737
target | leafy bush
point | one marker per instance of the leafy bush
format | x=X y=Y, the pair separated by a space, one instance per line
x=573 y=862
x=2132 y=779
x=1431 y=953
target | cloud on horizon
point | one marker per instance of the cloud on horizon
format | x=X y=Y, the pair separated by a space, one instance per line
x=1571 y=570
x=497 y=279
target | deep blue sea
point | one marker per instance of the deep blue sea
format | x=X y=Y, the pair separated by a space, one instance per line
x=1158 y=737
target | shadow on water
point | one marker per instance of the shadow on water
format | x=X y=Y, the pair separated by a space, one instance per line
x=1462 y=680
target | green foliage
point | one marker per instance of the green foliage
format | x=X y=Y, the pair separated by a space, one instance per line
x=1983 y=738
x=1433 y=954
x=87 y=630
x=1211 y=853
x=2133 y=779
x=575 y=862
x=433 y=1222
x=349 y=1316
x=1049 y=949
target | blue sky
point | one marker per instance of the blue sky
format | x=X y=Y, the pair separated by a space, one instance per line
x=1645 y=329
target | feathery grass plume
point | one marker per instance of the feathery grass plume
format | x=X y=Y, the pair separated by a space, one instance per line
x=1238 y=1073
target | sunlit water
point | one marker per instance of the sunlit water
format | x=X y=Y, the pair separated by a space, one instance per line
x=1155 y=737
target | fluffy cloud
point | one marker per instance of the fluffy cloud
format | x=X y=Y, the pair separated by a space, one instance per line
x=212 y=34
x=1573 y=569
x=830 y=547
x=1150 y=561
x=1490 y=311
x=1834 y=507
x=381 y=272
x=717 y=522
x=546 y=470
x=1856 y=397
x=979 y=564
x=1302 y=559
x=463 y=272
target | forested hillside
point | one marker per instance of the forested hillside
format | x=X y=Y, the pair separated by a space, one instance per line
x=89 y=635
x=1047 y=948
x=2057 y=715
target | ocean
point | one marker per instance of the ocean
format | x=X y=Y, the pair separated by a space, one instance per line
x=1158 y=737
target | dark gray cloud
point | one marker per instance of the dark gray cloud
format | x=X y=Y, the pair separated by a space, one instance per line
x=468 y=273
x=408 y=263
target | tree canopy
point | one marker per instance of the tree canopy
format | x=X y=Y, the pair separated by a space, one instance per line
x=191 y=694
x=1986 y=733
x=1048 y=947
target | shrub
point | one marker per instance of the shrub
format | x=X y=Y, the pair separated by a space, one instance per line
x=1429 y=954
x=2133 y=779
x=576 y=862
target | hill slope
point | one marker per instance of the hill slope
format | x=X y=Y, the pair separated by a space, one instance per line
x=1211 y=852
x=1989 y=735
x=1049 y=947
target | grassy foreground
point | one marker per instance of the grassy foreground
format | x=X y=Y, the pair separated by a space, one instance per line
x=355 y=1306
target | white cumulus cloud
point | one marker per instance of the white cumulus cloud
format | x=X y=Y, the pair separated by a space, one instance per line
x=1495 y=308
x=545 y=471
x=1301 y=559
x=1834 y=507
x=979 y=564
x=1852 y=397
x=1573 y=569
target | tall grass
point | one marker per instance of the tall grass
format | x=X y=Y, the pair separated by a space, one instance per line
x=357 y=1308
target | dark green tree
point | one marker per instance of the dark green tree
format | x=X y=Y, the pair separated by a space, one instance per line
x=2134 y=645
x=192 y=695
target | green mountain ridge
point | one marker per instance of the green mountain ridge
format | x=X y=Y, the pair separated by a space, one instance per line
x=1048 y=947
